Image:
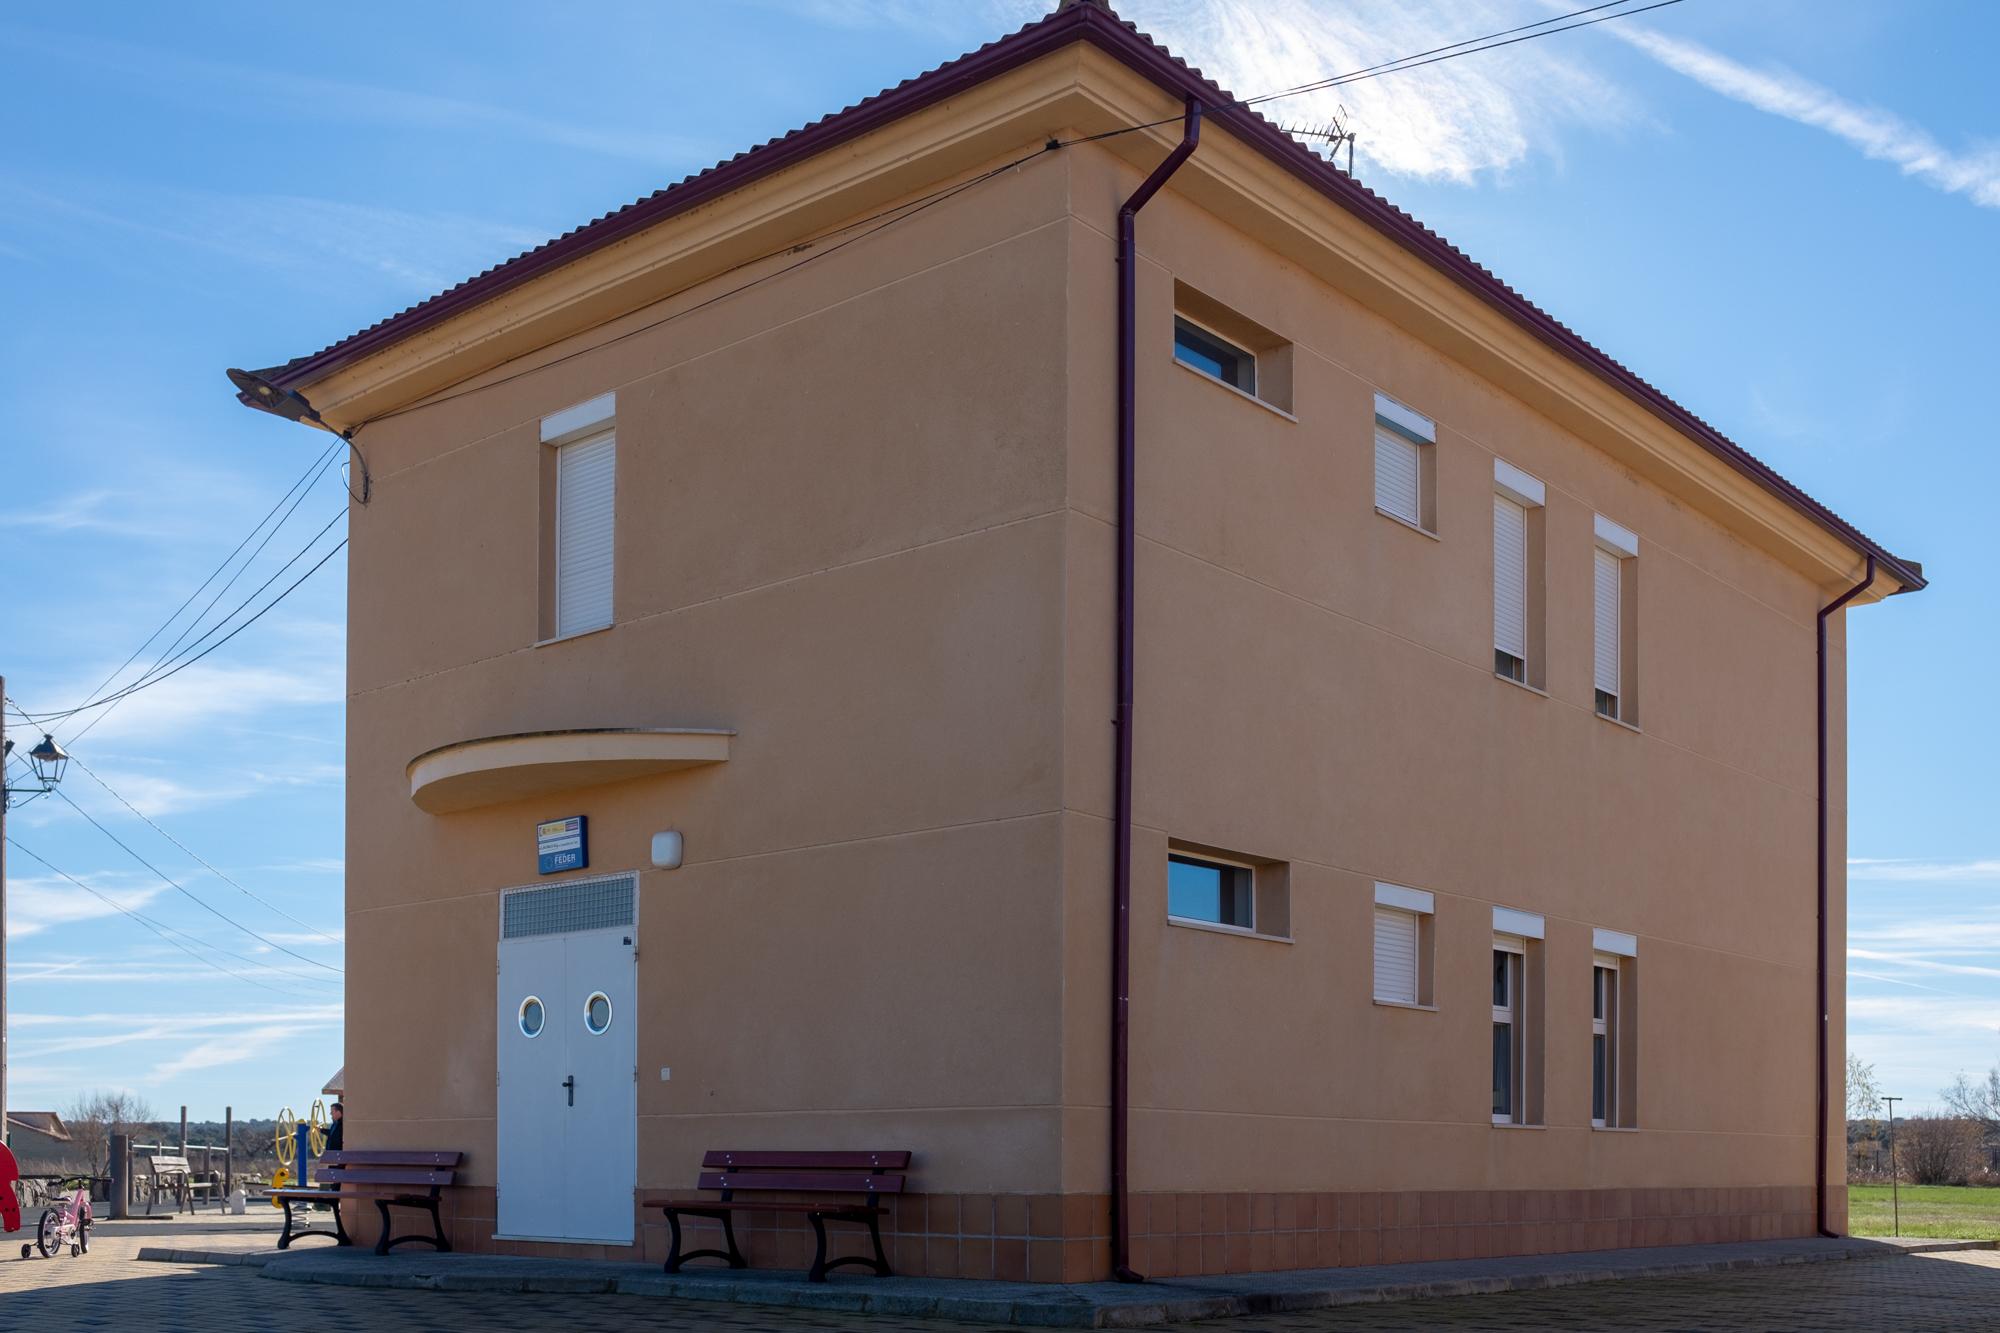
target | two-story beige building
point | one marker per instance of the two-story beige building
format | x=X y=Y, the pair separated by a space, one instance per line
x=734 y=715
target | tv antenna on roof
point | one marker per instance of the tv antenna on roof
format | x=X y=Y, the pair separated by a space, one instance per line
x=1333 y=132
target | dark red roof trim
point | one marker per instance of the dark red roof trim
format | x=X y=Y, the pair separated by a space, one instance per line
x=1122 y=41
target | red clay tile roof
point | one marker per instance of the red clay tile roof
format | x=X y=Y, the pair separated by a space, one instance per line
x=1124 y=42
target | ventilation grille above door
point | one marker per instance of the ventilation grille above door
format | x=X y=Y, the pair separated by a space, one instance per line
x=557 y=909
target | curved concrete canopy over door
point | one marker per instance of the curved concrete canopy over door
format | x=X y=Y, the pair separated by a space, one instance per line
x=469 y=774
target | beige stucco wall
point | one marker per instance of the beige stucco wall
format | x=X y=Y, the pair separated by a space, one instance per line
x=1315 y=686
x=865 y=521
x=840 y=533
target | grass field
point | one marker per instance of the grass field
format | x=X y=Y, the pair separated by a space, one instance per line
x=1944 y=1212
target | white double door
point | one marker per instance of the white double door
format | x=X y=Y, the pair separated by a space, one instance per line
x=568 y=1097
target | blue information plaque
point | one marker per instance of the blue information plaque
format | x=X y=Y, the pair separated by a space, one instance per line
x=562 y=844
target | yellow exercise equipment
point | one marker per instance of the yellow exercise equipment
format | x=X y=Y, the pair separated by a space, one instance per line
x=288 y=1129
x=317 y=1127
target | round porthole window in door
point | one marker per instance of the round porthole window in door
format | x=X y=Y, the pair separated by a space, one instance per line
x=597 y=1013
x=531 y=1017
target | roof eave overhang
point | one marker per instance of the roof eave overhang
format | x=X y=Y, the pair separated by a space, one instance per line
x=1091 y=25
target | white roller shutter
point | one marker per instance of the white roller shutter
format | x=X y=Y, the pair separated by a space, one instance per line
x=1510 y=577
x=585 y=489
x=1398 y=476
x=1395 y=955
x=1609 y=621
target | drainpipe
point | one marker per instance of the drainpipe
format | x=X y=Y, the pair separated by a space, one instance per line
x=1121 y=836
x=1819 y=1132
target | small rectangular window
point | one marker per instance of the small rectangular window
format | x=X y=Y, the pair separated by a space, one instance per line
x=1604 y=1042
x=578 y=517
x=1517 y=1017
x=1405 y=464
x=1403 y=945
x=585 y=503
x=1613 y=635
x=1614 y=989
x=1508 y=957
x=1213 y=892
x=1212 y=354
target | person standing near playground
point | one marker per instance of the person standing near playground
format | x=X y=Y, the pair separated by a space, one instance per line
x=335 y=1132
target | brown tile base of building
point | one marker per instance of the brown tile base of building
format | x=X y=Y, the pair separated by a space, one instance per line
x=1066 y=1237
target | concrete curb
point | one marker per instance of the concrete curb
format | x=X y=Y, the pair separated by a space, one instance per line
x=1087 y=1305
x=160 y=1254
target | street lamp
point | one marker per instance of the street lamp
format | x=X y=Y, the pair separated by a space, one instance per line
x=49 y=761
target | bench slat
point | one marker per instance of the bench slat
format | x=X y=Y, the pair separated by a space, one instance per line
x=821 y=1182
x=737 y=1159
x=762 y=1206
x=390 y=1157
x=384 y=1176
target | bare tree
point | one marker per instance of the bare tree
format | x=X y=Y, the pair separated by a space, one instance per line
x=1937 y=1149
x=1864 y=1094
x=1979 y=1100
x=93 y=1117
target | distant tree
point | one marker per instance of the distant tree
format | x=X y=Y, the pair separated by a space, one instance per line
x=1864 y=1094
x=1977 y=1099
x=1937 y=1149
x=93 y=1117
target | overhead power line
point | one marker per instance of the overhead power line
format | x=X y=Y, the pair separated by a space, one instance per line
x=165 y=932
x=311 y=472
x=192 y=897
x=205 y=864
x=187 y=660
x=168 y=654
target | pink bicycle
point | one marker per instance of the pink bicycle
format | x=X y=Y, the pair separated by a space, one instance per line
x=65 y=1223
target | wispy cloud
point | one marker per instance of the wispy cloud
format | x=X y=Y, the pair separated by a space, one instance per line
x=1456 y=121
x=210 y=691
x=39 y=903
x=197 y=1040
x=238 y=90
x=313 y=239
x=1878 y=134
x=1975 y=871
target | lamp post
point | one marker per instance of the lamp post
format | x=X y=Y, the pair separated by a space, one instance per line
x=47 y=761
x=1895 y=1191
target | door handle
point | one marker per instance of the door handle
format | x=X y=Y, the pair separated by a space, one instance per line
x=569 y=1087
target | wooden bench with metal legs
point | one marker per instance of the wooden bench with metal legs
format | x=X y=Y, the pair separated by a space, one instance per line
x=391 y=1177
x=732 y=1172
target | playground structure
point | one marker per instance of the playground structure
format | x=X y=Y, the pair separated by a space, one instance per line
x=298 y=1142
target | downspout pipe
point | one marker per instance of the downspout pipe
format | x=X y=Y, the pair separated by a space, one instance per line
x=1121 y=836
x=1825 y=1023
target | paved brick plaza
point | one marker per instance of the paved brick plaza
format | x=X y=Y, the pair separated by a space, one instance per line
x=111 y=1289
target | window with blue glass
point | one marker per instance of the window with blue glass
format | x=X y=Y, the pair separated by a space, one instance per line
x=1216 y=893
x=1212 y=354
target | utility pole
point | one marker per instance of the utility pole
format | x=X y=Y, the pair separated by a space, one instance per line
x=1895 y=1191
x=47 y=761
x=5 y=750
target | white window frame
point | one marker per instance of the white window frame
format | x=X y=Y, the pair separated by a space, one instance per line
x=1604 y=1001
x=588 y=424
x=1514 y=1014
x=1614 y=546
x=1514 y=489
x=1418 y=907
x=1618 y=952
x=1249 y=891
x=1406 y=434
x=1256 y=371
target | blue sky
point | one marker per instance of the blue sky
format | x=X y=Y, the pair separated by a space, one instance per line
x=1784 y=214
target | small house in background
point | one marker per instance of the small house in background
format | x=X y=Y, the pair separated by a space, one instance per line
x=40 y=1141
x=1268 y=752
